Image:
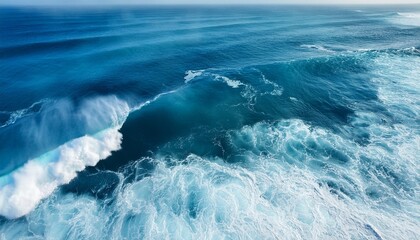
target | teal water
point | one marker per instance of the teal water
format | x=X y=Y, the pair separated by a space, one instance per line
x=271 y=122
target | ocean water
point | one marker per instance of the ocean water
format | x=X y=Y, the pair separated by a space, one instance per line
x=212 y=122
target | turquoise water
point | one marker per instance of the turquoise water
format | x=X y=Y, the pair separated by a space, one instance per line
x=285 y=122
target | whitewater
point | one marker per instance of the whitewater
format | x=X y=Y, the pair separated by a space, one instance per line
x=268 y=122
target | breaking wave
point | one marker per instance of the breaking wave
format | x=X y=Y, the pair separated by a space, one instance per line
x=210 y=123
x=23 y=188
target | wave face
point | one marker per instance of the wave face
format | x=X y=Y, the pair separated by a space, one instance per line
x=209 y=122
x=23 y=188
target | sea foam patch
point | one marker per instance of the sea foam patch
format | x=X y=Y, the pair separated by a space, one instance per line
x=230 y=82
x=191 y=74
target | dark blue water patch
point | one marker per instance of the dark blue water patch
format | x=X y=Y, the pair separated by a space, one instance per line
x=99 y=184
x=172 y=116
x=4 y=118
x=96 y=182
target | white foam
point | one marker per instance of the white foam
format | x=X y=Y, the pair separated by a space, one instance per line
x=191 y=74
x=39 y=177
x=398 y=83
x=24 y=188
x=267 y=196
x=398 y=91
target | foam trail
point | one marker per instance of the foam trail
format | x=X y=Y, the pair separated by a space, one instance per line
x=14 y=116
x=191 y=74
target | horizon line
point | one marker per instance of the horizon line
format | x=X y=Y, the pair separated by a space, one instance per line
x=203 y=4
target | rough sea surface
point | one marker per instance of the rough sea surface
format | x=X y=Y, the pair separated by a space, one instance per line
x=212 y=122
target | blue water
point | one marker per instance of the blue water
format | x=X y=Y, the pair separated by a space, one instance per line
x=257 y=122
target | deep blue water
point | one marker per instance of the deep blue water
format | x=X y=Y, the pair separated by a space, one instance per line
x=213 y=122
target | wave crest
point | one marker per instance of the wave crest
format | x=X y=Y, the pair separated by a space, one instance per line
x=22 y=189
